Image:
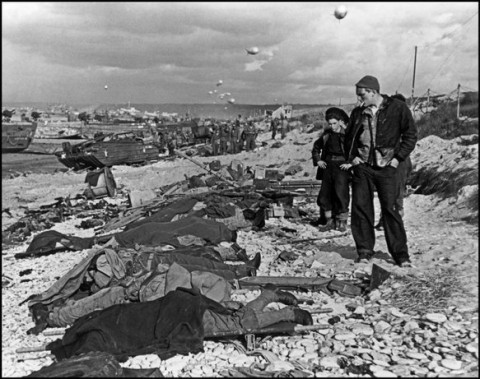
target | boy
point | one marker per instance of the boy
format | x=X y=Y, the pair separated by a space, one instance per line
x=329 y=154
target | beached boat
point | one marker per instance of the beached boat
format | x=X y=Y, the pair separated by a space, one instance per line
x=60 y=130
x=17 y=136
x=110 y=150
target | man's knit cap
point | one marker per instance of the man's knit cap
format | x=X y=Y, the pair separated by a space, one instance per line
x=337 y=114
x=370 y=82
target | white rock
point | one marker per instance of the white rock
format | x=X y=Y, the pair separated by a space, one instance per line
x=296 y=353
x=362 y=329
x=384 y=374
x=381 y=326
x=414 y=355
x=472 y=347
x=451 y=364
x=437 y=318
x=359 y=310
x=342 y=336
x=280 y=366
x=329 y=362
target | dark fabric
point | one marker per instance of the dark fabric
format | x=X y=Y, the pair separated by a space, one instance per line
x=158 y=233
x=167 y=326
x=192 y=263
x=334 y=145
x=396 y=130
x=167 y=213
x=403 y=171
x=46 y=241
x=334 y=194
x=365 y=179
x=221 y=210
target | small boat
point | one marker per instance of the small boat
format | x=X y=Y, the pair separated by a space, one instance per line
x=109 y=150
x=60 y=130
x=17 y=136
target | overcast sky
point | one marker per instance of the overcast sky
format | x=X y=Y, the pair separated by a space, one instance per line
x=176 y=52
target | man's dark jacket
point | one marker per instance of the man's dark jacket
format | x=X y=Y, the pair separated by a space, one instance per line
x=396 y=134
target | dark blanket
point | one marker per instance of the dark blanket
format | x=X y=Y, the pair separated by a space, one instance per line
x=167 y=213
x=46 y=241
x=167 y=326
x=158 y=233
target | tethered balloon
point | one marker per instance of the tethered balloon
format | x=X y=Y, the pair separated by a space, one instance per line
x=340 y=12
x=106 y=87
x=231 y=101
x=253 y=50
x=219 y=83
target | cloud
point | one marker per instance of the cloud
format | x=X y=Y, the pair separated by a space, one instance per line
x=175 y=52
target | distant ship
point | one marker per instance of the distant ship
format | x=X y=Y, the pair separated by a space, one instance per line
x=17 y=136
x=110 y=150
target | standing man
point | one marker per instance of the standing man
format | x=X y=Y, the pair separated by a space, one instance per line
x=273 y=127
x=235 y=138
x=250 y=135
x=283 y=125
x=381 y=133
x=224 y=137
x=215 y=138
x=403 y=171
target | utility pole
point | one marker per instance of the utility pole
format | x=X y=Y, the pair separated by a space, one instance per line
x=428 y=98
x=413 y=82
x=458 y=101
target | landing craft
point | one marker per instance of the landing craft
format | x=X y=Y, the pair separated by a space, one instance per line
x=340 y=12
x=253 y=50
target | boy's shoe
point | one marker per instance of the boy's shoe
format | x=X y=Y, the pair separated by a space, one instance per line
x=342 y=225
x=379 y=226
x=330 y=225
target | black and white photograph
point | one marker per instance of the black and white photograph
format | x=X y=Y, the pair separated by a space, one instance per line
x=240 y=189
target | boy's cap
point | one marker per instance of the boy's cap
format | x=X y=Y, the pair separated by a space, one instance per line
x=369 y=81
x=337 y=114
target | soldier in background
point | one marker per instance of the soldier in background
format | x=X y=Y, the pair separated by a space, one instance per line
x=224 y=137
x=215 y=139
x=283 y=125
x=273 y=127
x=250 y=136
x=236 y=138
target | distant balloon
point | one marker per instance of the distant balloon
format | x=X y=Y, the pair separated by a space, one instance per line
x=226 y=108
x=106 y=87
x=210 y=92
x=219 y=83
x=221 y=96
x=227 y=93
x=231 y=101
x=340 y=12
x=214 y=91
x=253 y=50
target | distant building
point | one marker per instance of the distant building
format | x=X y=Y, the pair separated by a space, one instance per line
x=286 y=110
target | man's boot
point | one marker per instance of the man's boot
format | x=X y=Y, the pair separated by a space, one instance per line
x=282 y=296
x=255 y=262
x=330 y=225
x=302 y=317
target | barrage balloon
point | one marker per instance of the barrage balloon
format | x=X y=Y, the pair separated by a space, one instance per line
x=340 y=12
x=253 y=50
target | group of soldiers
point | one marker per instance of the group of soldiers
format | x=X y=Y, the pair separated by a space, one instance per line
x=233 y=137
